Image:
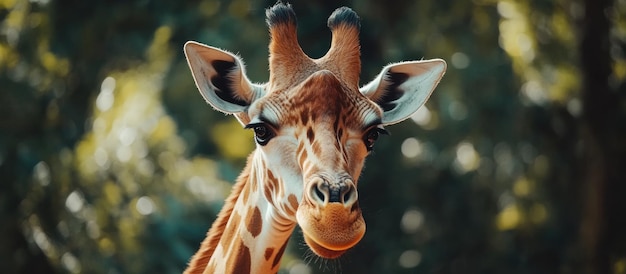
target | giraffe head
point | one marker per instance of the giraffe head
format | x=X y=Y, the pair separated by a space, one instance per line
x=313 y=125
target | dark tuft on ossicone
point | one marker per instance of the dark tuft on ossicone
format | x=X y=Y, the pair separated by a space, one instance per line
x=280 y=14
x=344 y=15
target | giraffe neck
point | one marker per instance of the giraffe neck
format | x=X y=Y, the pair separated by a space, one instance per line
x=250 y=234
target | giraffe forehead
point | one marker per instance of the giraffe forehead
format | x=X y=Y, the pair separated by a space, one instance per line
x=321 y=97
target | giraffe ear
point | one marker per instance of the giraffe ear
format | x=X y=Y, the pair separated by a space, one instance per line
x=400 y=89
x=221 y=78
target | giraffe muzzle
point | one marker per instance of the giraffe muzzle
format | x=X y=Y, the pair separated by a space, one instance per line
x=330 y=217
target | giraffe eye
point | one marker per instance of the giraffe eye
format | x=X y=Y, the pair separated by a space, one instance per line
x=262 y=133
x=372 y=135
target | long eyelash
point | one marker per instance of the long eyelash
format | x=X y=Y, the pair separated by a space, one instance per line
x=252 y=125
x=264 y=122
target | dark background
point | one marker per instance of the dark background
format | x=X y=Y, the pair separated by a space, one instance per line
x=111 y=162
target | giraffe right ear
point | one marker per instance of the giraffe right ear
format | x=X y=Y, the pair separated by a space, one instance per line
x=402 y=88
x=221 y=79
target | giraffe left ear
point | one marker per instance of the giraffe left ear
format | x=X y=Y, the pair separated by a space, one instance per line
x=400 y=89
x=221 y=78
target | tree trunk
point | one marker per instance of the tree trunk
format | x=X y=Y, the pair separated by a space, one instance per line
x=604 y=138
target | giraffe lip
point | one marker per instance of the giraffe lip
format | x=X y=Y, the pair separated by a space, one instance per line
x=323 y=251
x=330 y=250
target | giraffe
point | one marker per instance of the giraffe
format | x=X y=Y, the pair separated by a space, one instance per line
x=313 y=127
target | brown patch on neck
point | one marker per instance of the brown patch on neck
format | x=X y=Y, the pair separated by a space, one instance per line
x=279 y=254
x=254 y=221
x=239 y=261
x=268 y=253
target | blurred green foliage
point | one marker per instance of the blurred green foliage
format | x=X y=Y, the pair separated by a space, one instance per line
x=110 y=161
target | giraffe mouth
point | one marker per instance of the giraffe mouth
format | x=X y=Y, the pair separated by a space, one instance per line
x=322 y=251
x=331 y=231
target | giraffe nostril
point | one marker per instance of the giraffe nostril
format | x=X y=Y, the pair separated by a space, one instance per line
x=319 y=193
x=351 y=195
x=346 y=196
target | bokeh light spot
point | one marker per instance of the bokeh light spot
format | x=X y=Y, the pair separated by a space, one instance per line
x=41 y=239
x=123 y=154
x=509 y=218
x=534 y=92
x=127 y=136
x=145 y=205
x=575 y=107
x=107 y=247
x=412 y=221
x=467 y=159
x=411 y=148
x=410 y=259
x=101 y=157
x=460 y=60
x=522 y=187
x=41 y=173
x=75 y=201
x=93 y=229
x=105 y=99
x=70 y=262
